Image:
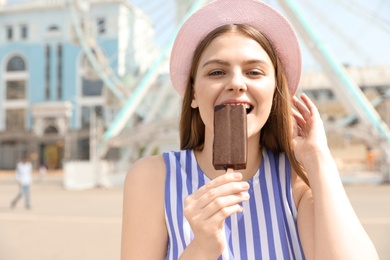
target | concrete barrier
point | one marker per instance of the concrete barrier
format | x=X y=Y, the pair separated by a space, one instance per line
x=80 y=175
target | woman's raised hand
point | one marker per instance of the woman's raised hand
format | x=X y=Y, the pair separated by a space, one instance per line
x=309 y=138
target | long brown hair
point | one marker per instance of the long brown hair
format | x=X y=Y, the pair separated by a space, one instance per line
x=276 y=134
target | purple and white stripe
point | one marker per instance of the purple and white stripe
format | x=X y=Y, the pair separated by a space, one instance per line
x=266 y=229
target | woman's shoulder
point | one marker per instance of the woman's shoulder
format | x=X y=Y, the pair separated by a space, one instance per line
x=149 y=163
x=143 y=202
x=148 y=170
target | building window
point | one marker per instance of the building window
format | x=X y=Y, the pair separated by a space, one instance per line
x=92 y=87
x=91 y=84
x=101 y=25
x=83 y=149
x=16 y=90
x=9 y=33
x=85 y=117
x=47 y=72
x=53 y=28
x=15 y=119
x=16 y=63
x=23 y=31
x=51 y=130
x=53 y=32
x=59 y=72
x=86 y=113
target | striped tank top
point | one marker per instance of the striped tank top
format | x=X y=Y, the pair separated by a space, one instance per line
x=267 y=227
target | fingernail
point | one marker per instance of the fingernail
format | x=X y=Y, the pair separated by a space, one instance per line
x=237 y=176
x=245 y=195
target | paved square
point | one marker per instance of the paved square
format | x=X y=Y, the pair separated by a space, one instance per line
x=86 y=225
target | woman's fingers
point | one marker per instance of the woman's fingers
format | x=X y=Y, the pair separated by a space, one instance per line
x=221 y=180
x=217 y=210
x=309 y=104
x=223 y=206
x=217 y=199
x=306 y=113
x=302 y=108
x=298 y=118
x=305 y=106
x=215 y=191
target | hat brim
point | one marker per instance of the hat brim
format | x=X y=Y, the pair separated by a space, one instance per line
x=250 y=12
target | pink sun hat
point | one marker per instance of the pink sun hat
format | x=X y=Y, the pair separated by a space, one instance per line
x=254 y=13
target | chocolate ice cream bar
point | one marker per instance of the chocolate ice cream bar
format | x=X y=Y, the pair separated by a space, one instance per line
x=230 y=137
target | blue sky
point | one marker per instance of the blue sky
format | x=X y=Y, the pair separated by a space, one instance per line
x=357 y=31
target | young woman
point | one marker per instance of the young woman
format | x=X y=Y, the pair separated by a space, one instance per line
x=289 y=202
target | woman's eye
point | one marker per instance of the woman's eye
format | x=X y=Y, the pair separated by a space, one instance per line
x=216 y=73
x=255 y=73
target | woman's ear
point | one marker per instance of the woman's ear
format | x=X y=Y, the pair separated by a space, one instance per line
x=194 y=102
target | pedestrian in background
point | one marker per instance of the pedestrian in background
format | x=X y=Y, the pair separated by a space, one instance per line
x=23 y=175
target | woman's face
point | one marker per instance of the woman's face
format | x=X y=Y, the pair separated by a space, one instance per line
x=235 y=69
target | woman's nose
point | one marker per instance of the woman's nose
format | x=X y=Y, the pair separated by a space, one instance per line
x=236 y=83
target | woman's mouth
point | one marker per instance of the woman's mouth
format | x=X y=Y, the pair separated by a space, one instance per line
x=248 y=108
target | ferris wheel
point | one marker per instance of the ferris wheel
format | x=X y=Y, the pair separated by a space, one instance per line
x=149 y=104
x=152 y=104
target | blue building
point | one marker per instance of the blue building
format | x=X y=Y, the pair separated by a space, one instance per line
x=50 y=89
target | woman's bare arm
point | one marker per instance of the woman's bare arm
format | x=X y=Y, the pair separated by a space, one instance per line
x=144 y=232
x=327 y=224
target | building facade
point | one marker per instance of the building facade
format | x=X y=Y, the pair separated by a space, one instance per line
x=50 y=89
